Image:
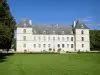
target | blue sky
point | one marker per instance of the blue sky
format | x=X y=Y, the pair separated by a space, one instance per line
x=57 y=11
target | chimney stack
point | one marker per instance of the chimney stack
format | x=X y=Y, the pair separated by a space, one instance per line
x=30 y=22
x=74 y=23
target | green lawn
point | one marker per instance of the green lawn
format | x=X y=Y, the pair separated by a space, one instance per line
x=51 y=64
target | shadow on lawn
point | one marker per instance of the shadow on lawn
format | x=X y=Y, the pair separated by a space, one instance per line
x=3 y=56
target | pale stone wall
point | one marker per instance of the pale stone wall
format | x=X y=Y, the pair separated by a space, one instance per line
x=79 y=41
x=52 y=40
x=32 y=39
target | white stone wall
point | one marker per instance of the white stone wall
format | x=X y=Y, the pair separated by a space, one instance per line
x=52 y=40
x=32 y=39
x=79 y=41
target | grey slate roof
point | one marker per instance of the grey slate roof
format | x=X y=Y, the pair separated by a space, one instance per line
x=80 y=25
x=52 y=28
x=47 y=29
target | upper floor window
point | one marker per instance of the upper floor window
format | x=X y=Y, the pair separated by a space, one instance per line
x=34 y=38
x=67 y=38
x=24 y=45
x=24 y=37
x=24 y=31
x=53 y=38
x=82 y=38
x=48 y=38
x=44 y=38
x=44 y=45
x=63 y=38
x=58 y=38
x=82 y=32
x=71 y=38
x=39 y=38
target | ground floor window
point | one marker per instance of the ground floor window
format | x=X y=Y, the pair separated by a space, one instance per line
x=72 y=45
x=58 y=45
x=82 y=45
x=63 y=45
x=34 y=45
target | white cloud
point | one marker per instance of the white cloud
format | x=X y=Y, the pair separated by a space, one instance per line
x=87 y=19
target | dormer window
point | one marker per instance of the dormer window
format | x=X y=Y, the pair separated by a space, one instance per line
x=63 y=32
x=34 y=32
x=24 y=24
x=44 y=32
x=24 y=31
x=82 y=26
x=53 y=32
x=82 y=32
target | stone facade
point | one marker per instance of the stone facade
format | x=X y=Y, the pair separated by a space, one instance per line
x=52 y=38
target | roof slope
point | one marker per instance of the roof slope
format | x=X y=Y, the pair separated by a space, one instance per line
x=47 y=29
x=80 y=25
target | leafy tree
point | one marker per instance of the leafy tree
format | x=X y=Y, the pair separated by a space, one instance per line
x=95 y=39
x=7 y=25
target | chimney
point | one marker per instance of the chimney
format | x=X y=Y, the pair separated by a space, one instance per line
x=74 y=24
x=30 y=22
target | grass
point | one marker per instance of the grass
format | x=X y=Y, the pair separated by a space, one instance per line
x=51 y=64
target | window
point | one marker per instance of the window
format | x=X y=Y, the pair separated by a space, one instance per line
x=82 y=38
x=58 y=38
x=24 y=24
x=82 y=45
x=39 y=45
x=63 y=38
x=34 y=32
x=82 y=32
x=34 y=38
x=44 y=45
x=82 y=26
x=71 y=38
x=53 y=38
x=24 y=37
x=63 y=32
x=48 y=38
x=67 y=38
x=54 y=50
x=44 y=38
x=34 y=45
x=67 y=45
x=72 y=45
x=49 y=45
x=53 y=32
x=63 y=45
x=58 y=45
x=24 y=45
x=44 y=32
x=24 y=31
x=39 y=38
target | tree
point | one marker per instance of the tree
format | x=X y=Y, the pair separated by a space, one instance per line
x=95 y=39
x=7 y=25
